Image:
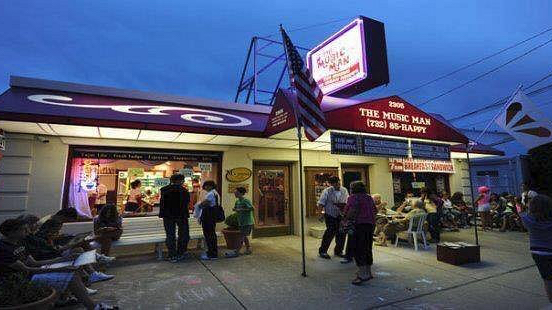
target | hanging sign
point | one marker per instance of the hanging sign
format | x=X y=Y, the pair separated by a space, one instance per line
x=348 y=144
x=238 y=174
x=418 y=185
x=136 y=172
x=205 y=167
x=160 y=182
x=186 y=172
x=384 y=147
x=433 y=151
x=420 y=165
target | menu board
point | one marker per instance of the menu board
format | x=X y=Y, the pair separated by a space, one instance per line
x=345 y=144
x=384 y=147
x=348 y=144
x=433 y=151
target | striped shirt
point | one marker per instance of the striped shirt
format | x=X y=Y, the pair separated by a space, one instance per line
x=330 y=197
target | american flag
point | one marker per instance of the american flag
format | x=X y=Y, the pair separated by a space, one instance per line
x=309 y=94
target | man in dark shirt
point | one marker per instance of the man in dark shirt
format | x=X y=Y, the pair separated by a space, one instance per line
x=173 y=209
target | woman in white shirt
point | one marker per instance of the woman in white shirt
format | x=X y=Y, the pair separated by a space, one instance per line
x=208 y=220
x=134 y=197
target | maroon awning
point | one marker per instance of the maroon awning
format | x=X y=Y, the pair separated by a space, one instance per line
x=32 y=100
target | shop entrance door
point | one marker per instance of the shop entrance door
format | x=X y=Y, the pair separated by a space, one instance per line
x=352 y=174
x=316 y=180
x=272 y=200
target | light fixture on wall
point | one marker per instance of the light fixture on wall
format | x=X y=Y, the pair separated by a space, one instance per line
x=42 y=139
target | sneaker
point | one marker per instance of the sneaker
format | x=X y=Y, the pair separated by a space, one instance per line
x=104 y=259
x=90 y=291
x=204 y=256
x=173 y=259
x=346 y=260
x=248 y=251
x=103 y=306
x=324 y=255
x=183 y=256
x=97 y=276
x=231 y=254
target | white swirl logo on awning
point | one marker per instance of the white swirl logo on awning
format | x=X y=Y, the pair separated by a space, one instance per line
x=201 y=116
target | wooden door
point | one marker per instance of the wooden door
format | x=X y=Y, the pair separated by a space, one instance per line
x=316 y=180
x=272 y=200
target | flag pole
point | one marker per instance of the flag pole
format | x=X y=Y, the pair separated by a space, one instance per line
x=470 y=147
x=301 y=200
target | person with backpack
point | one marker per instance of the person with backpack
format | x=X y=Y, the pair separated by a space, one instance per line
x=209 y=214
x=173 y=209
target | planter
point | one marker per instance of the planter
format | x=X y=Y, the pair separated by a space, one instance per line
x=45 y=303
x=232 y=237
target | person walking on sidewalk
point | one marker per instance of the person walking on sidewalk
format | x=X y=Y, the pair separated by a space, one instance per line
x=331 y=202
x=173 y=209
x=538 y=221
x=360 y=222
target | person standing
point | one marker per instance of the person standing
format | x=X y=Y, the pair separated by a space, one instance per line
x=134 y=197
x=331 y=202
x=433 y=205
x=361 y=219
x=207 y=218
x=173 y=209
x=527 y=193
x=538 y=221
x=101 y=196
x=484 y=206
x=244 y=209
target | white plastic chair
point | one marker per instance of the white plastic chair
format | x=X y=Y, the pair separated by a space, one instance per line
x=415 y=229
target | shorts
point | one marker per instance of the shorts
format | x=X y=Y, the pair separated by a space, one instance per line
x=484 y=208
x=57 y=280
x=544 y=264
x=246 y=230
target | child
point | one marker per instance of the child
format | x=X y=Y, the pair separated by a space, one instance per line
x=244 y=208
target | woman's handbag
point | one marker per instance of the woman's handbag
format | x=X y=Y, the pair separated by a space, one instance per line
x=218 y=211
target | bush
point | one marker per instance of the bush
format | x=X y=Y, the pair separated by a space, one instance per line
x=232 y=221
x=19 y=290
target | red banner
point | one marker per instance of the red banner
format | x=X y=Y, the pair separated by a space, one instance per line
x=392 y=116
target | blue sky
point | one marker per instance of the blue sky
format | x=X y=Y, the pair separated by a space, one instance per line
x=197 y=48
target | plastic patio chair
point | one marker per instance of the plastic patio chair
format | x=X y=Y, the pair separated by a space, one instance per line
x=415 y=229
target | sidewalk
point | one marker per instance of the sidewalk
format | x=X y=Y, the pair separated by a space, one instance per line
x=270 y=279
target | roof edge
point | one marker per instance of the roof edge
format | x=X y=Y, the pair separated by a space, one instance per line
x=26 y=82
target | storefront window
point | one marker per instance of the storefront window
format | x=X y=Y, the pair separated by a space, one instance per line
x=98 y=177
x=404 y=182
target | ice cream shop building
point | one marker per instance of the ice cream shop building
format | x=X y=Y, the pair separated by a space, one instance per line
x=63 y=139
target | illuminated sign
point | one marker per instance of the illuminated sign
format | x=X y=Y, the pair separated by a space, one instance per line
x=340 y=60
x=420 y=165
x=352 y=60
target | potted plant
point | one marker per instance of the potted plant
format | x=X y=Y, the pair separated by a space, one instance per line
x=18 y=292
x=232 y=233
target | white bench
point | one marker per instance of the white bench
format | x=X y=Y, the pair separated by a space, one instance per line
x=140 y=230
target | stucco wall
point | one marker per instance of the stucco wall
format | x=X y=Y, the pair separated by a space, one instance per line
x=43 y=166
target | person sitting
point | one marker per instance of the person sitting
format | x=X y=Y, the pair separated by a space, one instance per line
x=406 y=205
x=461 y=206
x=108 y=227
x=399 y=224
x=15 y=260
x=450 y=214
x=64 y=215
x=134 y=200
x=45 y=237
x=381 y=218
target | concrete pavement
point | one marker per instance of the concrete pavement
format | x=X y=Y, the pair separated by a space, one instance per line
x=270 y=279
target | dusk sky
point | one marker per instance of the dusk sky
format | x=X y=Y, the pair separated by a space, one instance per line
x=197 y=48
